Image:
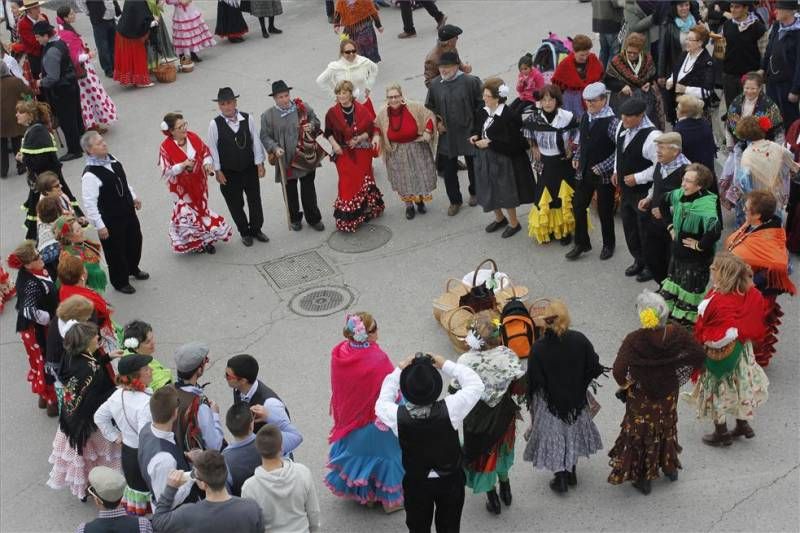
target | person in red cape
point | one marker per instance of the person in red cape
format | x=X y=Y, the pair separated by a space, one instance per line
x=365 y=462
x=350 y=126
x=36 y=306
x=186 y=164
x=575 y=72
x=761 y=243
x=730 y=318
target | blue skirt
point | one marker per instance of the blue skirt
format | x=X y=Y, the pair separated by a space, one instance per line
x=366 y=466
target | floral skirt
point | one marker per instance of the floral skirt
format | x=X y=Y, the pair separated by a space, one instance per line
x=648 y=439
x=37 y=376
x=97 y=108
x=72 y=470
x=366 y=466
x=190 y=232
x=737 y=393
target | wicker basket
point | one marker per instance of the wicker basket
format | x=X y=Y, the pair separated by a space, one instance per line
x=165 y=72
x=457 y=327
x=187 y=65
x=453 y=290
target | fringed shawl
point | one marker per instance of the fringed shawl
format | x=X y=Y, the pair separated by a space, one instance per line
x=618 y=68
x=764 y=249
x=351 y=12
x=697 y=216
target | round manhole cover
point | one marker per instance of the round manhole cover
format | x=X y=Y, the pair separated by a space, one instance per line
x=368 y=237
x=320 y=301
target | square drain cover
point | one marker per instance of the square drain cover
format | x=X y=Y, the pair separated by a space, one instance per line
x=294 y=270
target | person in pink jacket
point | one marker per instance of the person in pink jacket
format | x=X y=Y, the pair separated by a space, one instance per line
x=529 y=81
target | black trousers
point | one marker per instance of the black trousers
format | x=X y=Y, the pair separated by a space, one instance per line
x=5 y=143
x=449 y=168
x=731 y=87
x=308 y=195
x=104 y=34
x=632 y=220
x=35 y=63
x=656 y=247
x=407 y=13
x=438 y=500
x=779 y=92
x=584 y=191
x=131 y=471
x=66 y=103
x=240 y=184
x=122 y=248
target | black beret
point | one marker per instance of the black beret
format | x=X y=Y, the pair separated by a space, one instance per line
x=632 y=106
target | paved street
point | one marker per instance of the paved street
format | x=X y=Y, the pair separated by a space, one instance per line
x=230 y=302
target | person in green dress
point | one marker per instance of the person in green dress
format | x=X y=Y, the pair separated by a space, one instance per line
x=138 y=338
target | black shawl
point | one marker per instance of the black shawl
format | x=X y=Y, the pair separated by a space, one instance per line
x=87 y=385
x=560 y=369
x=701 y=75
x=135 y=20
x=658 y=360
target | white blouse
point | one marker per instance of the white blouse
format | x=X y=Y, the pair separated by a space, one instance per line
x=129 y=410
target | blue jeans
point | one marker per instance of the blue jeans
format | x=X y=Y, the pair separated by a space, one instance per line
x=609 y=47
x=104 y=34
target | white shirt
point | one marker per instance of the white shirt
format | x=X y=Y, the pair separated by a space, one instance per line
x=114 y=418
x=648 y=152
x=159 y=468
x=233 y=124
x=90 y=190
x=13 y=67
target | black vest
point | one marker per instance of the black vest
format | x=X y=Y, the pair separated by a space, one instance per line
x=235 y=149
x=115 y=199
x=262 y=394
x=428 y=443
x=596 y=145
x=68 y=76
x=662 y=186
x=150 y=445
x=47 y=301
x=118 y=524
x=630 y=159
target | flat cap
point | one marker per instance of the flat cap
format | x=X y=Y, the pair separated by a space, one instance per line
x=632 y=106
x=133 y=362
x=107 y=483
x=190 y=356
x=448 y=31
x=449 y=59
x=594 y=90
x=672 y=137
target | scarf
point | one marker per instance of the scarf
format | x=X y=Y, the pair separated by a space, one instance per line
x=695 y=216
x=768 y=163
x=722 y=316
x=101 y=307
x=193 y=182
x=498 y=368
x=454 y=77
x=620 y=69
x=92 y=161
x=794 y=26
x=566 y=74
x=658 y=360
x=764 y=107
x=748 y=21
x=685 y=25
x=603 y=113
x=356 y=378
x=421 y=116
x=342 y=131
x=288 y=110
x=351 y=12
x=764 y=249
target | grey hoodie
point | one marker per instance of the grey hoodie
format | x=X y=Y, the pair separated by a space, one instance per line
x=287 y=498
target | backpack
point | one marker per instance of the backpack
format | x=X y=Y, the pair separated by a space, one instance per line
x=550 y=53
x=516 y=327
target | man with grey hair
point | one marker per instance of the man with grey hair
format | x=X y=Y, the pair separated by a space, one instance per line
x=111 y=205
x=666 y=174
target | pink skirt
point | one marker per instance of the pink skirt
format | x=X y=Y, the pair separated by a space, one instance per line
x=72 y=470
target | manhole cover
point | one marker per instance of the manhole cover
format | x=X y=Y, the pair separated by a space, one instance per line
x=368 y=237
x=320 y=301
x=294 y=270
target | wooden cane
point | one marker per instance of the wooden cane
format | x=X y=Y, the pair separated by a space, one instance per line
x=282 y=170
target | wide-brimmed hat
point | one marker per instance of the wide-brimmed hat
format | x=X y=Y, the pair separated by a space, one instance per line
x=225 y=94
x=279 y=87
x=131 y=363
x=421 y=382
x=29 y=4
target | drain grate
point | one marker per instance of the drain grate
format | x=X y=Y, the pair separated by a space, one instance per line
x=368 y=237
x=294 y=270
x=321 y=301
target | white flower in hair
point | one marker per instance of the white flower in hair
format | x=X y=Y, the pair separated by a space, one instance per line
x=131 y=343
x=164 y=126
x=474 y=341
x=503 y=91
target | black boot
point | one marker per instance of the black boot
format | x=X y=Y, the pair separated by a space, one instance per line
x=264 y=32
x=643 y=486
x=195 y=57
x=572 y=480
x=559 y=482
x=505 y=492
x=493 y=502
x=272 y=28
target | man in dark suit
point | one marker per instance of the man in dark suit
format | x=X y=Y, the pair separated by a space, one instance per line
x=102 y=15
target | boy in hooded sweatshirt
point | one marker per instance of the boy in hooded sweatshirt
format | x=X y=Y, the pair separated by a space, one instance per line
x=283 y=489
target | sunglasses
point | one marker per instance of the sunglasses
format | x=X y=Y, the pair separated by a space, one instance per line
x=349 y=52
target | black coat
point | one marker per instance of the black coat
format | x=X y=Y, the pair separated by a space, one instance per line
x=781 y=61
x=669 y=40
x=97 y=10
x=698 y=141
x=701 y=75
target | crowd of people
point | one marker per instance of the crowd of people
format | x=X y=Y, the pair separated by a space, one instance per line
x=636 y=131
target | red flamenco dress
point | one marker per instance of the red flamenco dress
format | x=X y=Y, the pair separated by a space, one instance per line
x=194 y=226
x=359 y=198
x=763 y=247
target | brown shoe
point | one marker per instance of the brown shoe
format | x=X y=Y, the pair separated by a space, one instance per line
x=720 y=437
x=52 y=410
x=743 y=429
x=406 y=35
x=453 y=210
x=42 y=403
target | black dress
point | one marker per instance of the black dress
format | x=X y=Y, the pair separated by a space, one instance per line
x=230 y=22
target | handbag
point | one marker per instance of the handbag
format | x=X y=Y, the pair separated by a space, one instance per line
x=308 y=154
x=720 y=45
x=480 y=298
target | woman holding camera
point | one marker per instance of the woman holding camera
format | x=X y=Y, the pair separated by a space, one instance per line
x=651 y=365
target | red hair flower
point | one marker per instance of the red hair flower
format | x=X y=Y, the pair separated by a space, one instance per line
x=764 y=123
x=14 y=261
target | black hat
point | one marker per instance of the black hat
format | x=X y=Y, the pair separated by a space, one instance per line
x=279 y=87
x=449 y=59
x=43 y=28
x=632 y=106
x=420 y=382
x=786 y=4
x=448 y=31
x=131 y=363
x=225 y=95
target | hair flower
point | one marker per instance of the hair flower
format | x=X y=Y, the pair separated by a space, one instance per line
x=649 y=318
x=131 y=343
x=474 y=340
x=765 y=123
x=503 y=91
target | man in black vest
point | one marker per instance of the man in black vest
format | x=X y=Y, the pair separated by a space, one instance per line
x=428 y=432
x=667 y=175
x=111 y=205
x=102 y=15
x=239 y=162
x=60 y=84
x=106 y=487
x=594 y=164
x=636 y=152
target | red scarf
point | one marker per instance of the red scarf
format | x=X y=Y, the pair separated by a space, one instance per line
x=353 y=406
x=566 y=74
x=100 y=305
x=745 y=312
x=194 y=182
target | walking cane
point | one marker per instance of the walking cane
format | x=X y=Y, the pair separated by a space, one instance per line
x=282 y=170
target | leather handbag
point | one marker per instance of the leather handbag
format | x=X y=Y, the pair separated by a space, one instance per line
x=480 y=298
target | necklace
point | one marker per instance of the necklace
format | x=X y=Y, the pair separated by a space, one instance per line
x=350 y=112
x=746 y=233
x=688 y=64
x=401 y=116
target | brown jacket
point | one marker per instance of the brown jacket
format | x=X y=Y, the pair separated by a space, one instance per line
x=432 y=61
x=11 y=91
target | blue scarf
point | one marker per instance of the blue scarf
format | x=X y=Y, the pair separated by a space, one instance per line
x=99 y=162
x=287 y=111
x=685 y=25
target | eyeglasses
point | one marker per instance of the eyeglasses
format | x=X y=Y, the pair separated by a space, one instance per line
x=349 y=52
x=394 y=97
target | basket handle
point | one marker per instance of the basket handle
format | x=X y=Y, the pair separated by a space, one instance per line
x=450 y=318
x=475 y=274
x=537 y=301
x=447 y=283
